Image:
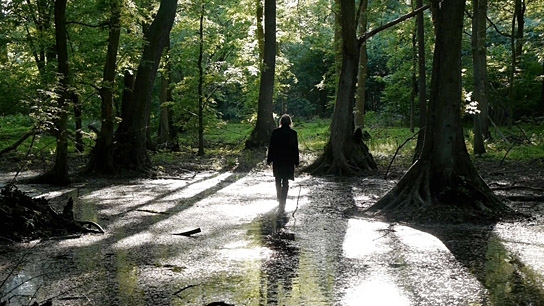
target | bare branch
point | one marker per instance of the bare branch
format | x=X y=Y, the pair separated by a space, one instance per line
x=367 y=35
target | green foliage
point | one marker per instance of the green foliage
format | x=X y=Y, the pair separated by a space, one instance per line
x=309 y=92
x=306 y=77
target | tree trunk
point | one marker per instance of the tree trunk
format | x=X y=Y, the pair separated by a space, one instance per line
x=200 y=85
x=479 y=61
x=443 y=179
x=413 y=91
x=345 y=154
x=131 y=135
x=166 y=129
x=260 y=135
x=101 y=159
x=3 y=41
x=58 y=175
x=363 y=67
x=79 y=126
x=42 y=48
x=260 y=30
x=516 y=44
x=542 y=93
x=422 y=79
x=164 y=136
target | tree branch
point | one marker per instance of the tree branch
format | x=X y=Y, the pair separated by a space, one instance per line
x=367 y=35
x=19 y=142
x=497 y=28
x=100 y=25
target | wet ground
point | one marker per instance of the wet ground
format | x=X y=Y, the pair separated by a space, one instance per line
x=248 y=252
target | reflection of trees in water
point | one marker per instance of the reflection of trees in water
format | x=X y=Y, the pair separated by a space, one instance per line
x=279 y=270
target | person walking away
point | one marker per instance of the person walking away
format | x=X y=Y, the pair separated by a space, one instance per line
x=283 y=154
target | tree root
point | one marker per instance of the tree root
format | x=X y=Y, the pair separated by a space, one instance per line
x=424 y=195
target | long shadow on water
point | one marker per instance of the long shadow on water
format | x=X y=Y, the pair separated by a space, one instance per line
x=93 y=262
x=477 y=247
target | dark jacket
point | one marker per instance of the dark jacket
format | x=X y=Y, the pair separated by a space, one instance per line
x=283 y=152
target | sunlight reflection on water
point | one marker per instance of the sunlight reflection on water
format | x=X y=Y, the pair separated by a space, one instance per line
x=375 y=292
x=359 y=246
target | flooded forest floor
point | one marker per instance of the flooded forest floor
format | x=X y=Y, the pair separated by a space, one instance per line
x=194 y=233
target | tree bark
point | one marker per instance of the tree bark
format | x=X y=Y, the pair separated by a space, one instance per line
x=479 y=61
x=413 y=91
x=260 y=135
x=58 y=175
x=80 y=147
x=363 y=67
x=166 y=132
x=516 y=44
x=260 y=30
x=541 y=108
x=101 y=159
x=345 y=154
x=200 y=85
x=130 y=151
x=422 y=79
x=443 y=178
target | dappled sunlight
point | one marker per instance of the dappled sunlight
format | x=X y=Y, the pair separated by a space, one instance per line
x=246 y=253
x=362 y=238
x=171 y=191
x=247 y=212
x=527 y=242
x=260 y=188
x=375 y=292
x=134 y=241
x=418 y=240
x=84 y=241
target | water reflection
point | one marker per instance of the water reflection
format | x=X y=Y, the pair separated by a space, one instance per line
x=20 y=289
x=280 y=269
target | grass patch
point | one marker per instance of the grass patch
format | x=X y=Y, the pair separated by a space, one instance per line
x=227 y=139
x=313 y=135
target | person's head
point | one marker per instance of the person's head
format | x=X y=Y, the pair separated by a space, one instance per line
x=285 y=120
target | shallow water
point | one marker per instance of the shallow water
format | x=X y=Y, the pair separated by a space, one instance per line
x=315 y=252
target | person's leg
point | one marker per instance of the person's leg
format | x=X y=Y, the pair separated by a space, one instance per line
x=284 y=189
x=278 y=188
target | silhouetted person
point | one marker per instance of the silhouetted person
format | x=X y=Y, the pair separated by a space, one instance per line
x=284 y=156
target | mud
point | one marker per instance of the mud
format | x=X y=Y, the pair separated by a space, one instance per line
x=316 y=251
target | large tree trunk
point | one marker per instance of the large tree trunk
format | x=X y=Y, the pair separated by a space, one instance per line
x=58 y=175
x=413 y=91
x=167 y=132
x=363 y=67
x=444 y=178
x=260 y=135
x=479 y=62
x=101 y=159
x=516 y=44
x=345 y=154
x=422 y=79
x=131 y=135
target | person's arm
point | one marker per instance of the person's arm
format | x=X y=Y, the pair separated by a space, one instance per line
x=271 y=147
x=297 y=157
